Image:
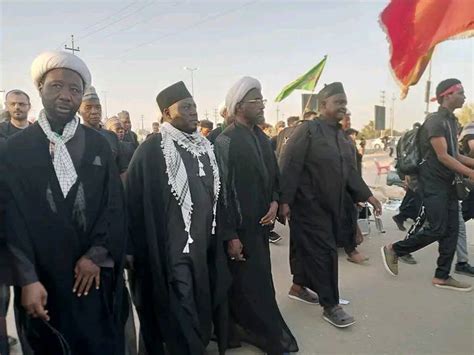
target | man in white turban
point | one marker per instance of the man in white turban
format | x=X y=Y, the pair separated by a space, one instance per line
x=65 y=225
x=249 y=203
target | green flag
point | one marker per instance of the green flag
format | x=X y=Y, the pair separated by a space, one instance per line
x=307 y=81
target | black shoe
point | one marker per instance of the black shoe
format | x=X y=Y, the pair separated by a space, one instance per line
x=464 y=269
x=274 y=237
x=399 y=222
x=408 y=259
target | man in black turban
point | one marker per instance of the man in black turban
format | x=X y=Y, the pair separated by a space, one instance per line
x=318 y=173
x=181 y=276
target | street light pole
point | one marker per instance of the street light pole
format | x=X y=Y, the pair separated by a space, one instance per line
x=192 y=77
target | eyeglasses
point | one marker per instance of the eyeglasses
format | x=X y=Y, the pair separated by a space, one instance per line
x=256 y=101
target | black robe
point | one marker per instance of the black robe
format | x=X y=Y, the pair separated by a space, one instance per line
x=249 y=176
x=318 y=170
x=48 y=234
x=176 y=294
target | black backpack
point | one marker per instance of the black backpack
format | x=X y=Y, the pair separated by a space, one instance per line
x=408 y=153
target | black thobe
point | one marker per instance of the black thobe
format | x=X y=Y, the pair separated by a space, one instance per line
x=249 y=176
x=318 y=168
x=131 y=137
x=176 y=294
x=48 y=234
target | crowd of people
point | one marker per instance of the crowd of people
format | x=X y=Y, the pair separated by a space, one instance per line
x=178 y=225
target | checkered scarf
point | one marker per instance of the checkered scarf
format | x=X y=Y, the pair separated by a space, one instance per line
x=62 y=162
x=197 y=145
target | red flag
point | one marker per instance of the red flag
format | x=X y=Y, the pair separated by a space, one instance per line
x=415 y=27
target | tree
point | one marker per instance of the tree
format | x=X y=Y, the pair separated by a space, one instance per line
x=466 y=113
x=369 y=132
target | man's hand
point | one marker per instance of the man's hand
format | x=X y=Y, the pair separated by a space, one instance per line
x=34 y=298
x=471 y=176
x=376 y=204
x=234 y=249
x=85 y=272
x=284 y=213
x=269 y=218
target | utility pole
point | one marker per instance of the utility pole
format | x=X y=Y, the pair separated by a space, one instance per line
x=392 y=114
x=3 y=100
x=72 y=48
x=428 y=91
x=215 y=116
x=142 y=118
x=191 y=70
x=206 y=114
x=278 y=113
x=104 y=93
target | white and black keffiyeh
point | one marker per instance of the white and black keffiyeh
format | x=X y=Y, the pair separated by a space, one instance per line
x=62 y=162
x=198 y=146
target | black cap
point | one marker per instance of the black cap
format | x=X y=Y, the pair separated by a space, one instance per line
x=330 y=90
x=171 y=95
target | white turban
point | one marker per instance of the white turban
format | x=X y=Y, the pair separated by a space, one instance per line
x=222 y=109
x=48 y=61
x=238 y=91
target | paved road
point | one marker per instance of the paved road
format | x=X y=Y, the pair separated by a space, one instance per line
x=403 y=315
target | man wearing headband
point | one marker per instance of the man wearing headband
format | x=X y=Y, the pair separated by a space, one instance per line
x=250 y=195
x=65 y=190
x=181 y=276
x=441 y=162
x=318 y=172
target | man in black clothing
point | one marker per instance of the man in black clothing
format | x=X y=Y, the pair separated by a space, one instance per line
x=91 y=113
x=18 y=105
x=65 y=220
x=249 y=204
x=181 y=277
x=318 y=172
x=129 y=136
x=441 y=161
x=285 y=134
x=228 y=119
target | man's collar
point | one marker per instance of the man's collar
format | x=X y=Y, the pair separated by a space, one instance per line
x=330 y=122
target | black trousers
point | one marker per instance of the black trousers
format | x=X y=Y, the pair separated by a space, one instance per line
x=295 y=265
x=410 y=206
x=443 y=223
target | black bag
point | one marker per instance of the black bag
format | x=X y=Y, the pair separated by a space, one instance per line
x=408 y=153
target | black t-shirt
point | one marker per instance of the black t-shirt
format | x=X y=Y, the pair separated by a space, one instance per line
x=433 y=174
x=7 y=130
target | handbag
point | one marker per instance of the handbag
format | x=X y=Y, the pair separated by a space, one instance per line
x=462 y=188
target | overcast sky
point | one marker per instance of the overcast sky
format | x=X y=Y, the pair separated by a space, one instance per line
x=136 y=48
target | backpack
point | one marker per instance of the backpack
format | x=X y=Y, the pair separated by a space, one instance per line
x=408 y=153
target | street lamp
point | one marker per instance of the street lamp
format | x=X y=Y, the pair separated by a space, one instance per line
x=192 y=77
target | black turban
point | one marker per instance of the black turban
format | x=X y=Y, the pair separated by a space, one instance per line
x=331 y=90
x=171 y=95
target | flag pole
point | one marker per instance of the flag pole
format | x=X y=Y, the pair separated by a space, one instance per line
x=308 y=101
